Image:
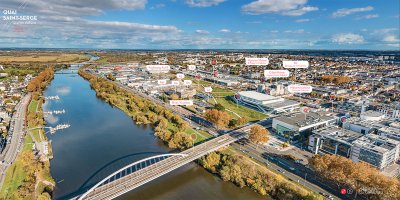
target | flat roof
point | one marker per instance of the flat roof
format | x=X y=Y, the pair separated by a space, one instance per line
x=338 y=134
x=300 y=120
x=377 y=143
x=371 y=113
x=258 y=96
x=282 y=104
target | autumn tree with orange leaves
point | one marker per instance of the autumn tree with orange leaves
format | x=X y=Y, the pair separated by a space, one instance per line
x=218 y=118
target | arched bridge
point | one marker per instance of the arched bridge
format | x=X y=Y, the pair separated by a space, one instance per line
x=143 y=171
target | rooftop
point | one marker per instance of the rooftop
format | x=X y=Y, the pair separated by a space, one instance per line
x=302 y=120
x=258 y=96
x=376 y=143
x=338 y=134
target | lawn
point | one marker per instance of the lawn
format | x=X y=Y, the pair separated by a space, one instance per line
x=33 y=105
x=32 y=108
x=201 y=135
x=242 y=111
x=15 y=176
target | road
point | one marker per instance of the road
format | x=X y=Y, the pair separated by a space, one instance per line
x=18 y=131
x=293 y=171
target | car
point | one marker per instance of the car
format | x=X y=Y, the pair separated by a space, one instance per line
x=292 y=168
x=281 y=171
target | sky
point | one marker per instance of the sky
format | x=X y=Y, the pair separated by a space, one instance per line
x=201 y=24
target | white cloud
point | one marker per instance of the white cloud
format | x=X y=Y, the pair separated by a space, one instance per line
x=302 y=20
x=203 y=3
x=386 y=36
x=391 y=39
x=368 y=16
x=300 y=11
x=282 y=7
x=348 y=38
x=348 y=11
x=160 y=5
x=224 y=30
x=202 y=32
x=299 y=31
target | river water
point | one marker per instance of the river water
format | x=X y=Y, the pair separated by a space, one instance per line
x=103 y=139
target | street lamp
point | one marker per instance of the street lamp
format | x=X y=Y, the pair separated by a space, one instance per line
x=194 y=137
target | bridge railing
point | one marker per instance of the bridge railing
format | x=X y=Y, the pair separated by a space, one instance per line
x=128 y=169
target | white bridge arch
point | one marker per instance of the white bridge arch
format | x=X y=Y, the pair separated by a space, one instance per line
x=125 y=168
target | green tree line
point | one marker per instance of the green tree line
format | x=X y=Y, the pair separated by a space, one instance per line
x=243 y=172
x=169 y=127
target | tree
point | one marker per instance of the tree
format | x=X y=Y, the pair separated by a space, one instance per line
x=258 y=134
x=110 y=77
x=211 y=161
x=219 y=106
x=174 y=97
x=218 y=118
x=328 y=78
x=342 y=79
x=359 y=176
x=242 y=121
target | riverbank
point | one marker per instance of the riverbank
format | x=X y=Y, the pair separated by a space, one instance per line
x=232 y=166
x=262 y=180
x=29 y=176
x=170 y=128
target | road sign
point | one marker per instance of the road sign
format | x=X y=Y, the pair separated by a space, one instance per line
x=187 y=82
x=208 y=89
x=192 y=67
x=257 y=61
x=180 y=76
x=295 y=64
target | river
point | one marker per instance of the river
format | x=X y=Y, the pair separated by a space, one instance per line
x=103 y=138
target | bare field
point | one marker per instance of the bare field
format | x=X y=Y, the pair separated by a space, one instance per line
x=56 y=58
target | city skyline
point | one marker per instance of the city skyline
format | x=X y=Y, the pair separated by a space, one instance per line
x=203 y=24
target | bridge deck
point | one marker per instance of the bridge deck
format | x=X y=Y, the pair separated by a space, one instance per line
x=124 y=184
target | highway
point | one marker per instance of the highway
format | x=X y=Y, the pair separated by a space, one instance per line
x=131 y=181
x=18 y=132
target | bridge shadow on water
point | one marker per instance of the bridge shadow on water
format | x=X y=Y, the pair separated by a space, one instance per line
x=106 y=170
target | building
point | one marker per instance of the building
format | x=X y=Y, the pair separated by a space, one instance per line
x=186 y=93
x=390 y=110
x=332 y=140
x=297 y=126
x=376 y=150
x=266 y=103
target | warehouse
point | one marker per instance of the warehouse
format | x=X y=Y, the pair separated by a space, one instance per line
x=266 y=103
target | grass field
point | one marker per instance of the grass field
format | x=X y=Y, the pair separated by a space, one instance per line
x=201 y=135
x=242 y=111
x=16 y=173
x=59 y=58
